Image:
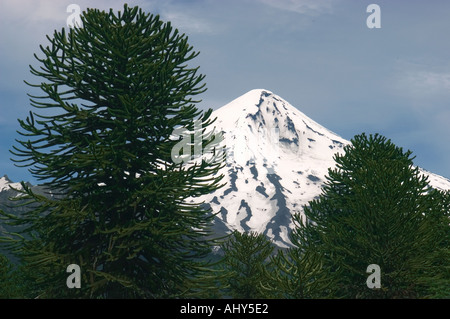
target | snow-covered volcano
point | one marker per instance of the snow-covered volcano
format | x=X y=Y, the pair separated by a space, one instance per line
x=276 y=163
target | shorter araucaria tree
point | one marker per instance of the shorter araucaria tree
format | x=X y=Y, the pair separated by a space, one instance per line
x=246 y=263
x=376 y=208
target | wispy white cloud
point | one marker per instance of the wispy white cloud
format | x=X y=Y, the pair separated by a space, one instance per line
x=28 y=12
x=41 y=13
x=187 y=22
x=422 y=84
x=421 y=80
x=310 y=7
x=23 y=26
x=428 y=82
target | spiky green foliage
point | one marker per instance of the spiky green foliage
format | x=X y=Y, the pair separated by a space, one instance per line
x=113 y=93
x=436 y=278
x=246 y=261
x=6 y=286
x=377 y=208
x=12 y=280
x=299 y=273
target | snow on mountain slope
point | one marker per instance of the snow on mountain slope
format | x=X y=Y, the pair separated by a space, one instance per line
x=5 y=184
x=277 y=159
x=437 y=181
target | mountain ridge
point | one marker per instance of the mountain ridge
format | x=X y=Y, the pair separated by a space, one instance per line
x=277 y=161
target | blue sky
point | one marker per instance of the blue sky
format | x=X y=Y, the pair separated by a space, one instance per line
x=317 y=54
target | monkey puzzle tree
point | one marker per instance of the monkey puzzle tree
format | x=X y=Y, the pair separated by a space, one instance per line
x=115 y=89
x=246 y=257
x=376 y=208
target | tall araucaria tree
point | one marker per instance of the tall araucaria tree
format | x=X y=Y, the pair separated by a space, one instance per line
x=113 y=92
